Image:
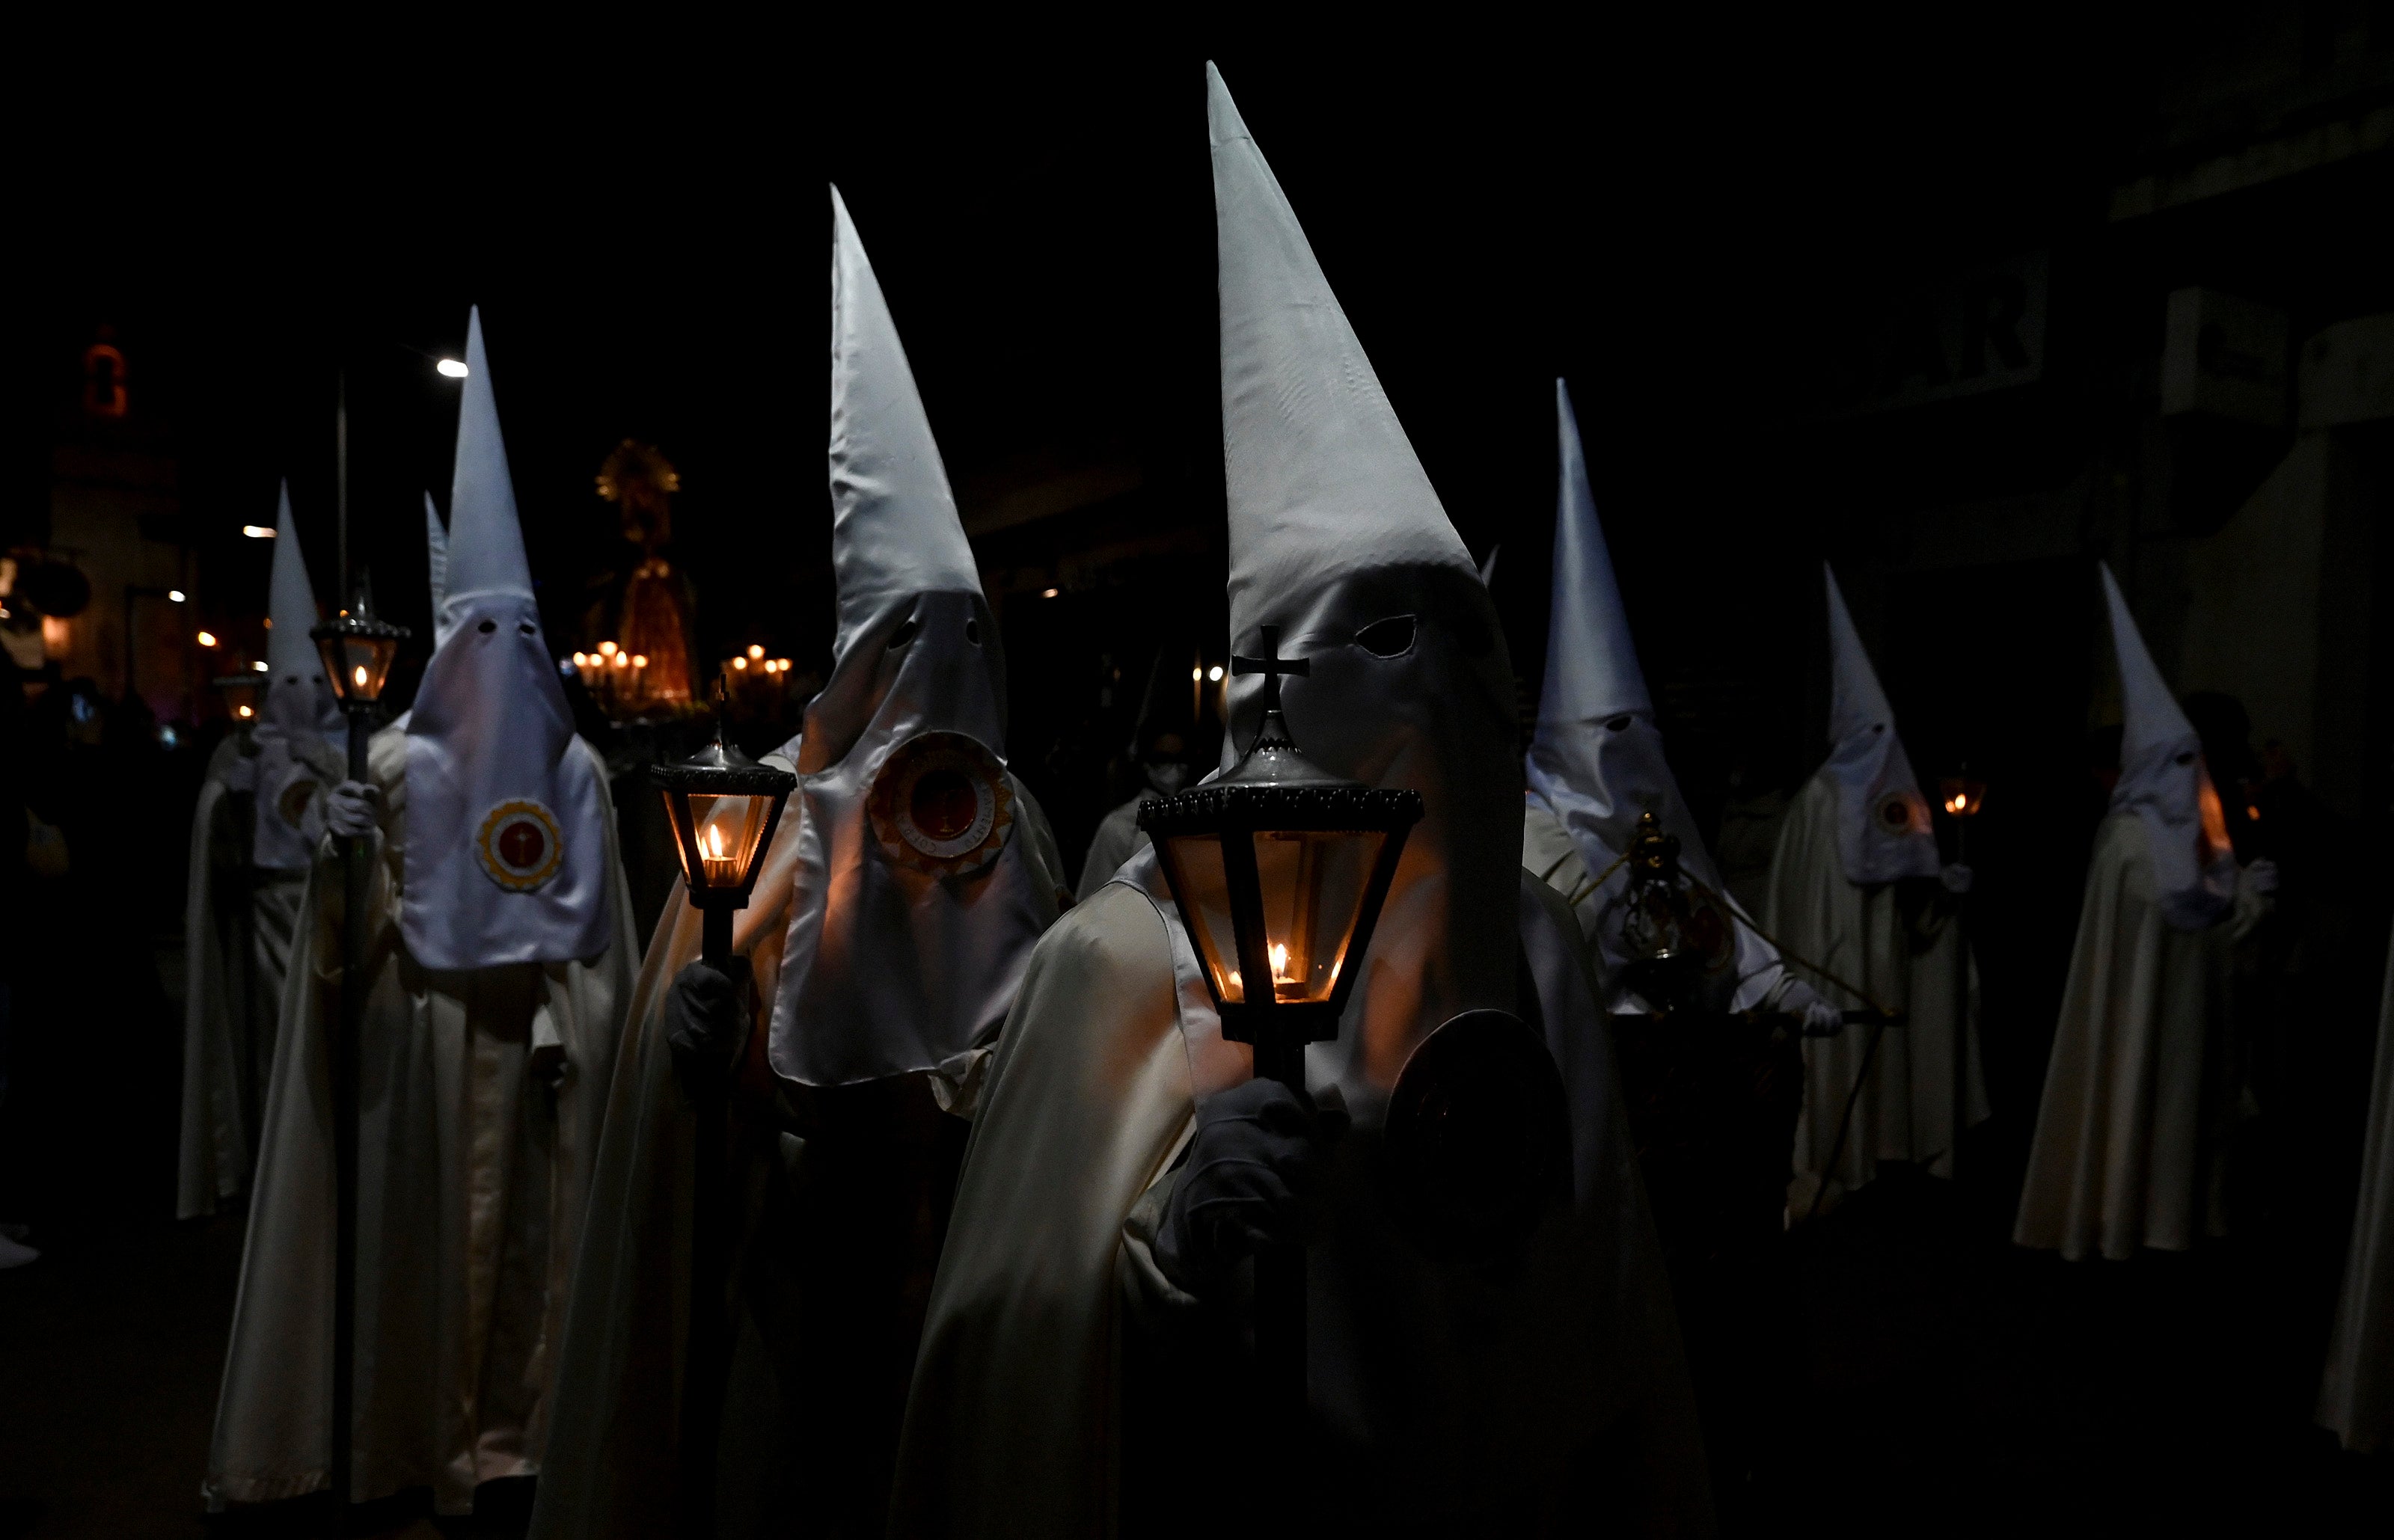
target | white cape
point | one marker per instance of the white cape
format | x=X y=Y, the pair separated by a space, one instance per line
x=480 y=1107
x=1448 y=1397
x=2140 y=1094
x=233 y=989
x=2357 y=1392
x=1906 y=1112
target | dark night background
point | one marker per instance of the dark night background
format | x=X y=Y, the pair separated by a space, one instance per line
x=1698 y=219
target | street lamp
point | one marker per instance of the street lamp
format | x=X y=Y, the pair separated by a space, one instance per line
x=1279 y=869
x=724 y=808
x=357 y=650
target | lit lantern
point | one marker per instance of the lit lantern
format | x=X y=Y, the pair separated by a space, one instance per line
x=357 y=650
x=724 y=806
x=242 y=694
x=1279 y=869
x=1960 y=796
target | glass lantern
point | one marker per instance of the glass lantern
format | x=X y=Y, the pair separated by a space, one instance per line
x=1279 y=869
x=724 y=806
x=357 y=650
x=243 y=694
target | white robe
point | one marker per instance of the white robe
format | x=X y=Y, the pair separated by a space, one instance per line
x=215 y=1153
x=1118 y=839
x=612 y=1468
x=472 y=1172
x=1553 y=1392
x=2141 y=1093
x=2357 y=1392
x=1906 y=1112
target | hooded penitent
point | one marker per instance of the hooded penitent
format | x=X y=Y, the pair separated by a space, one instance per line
x=913 y=907
x=1337 y=538
x=1882 y=828
x=1062 y=1380
x=1597 y=758
x=506 y=853
x=2162 y=781
x=301 y=719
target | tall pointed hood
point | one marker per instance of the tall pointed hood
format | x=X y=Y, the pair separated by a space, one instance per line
x=436 y=563
x=894 y=528
x=1337 y=538
x=2164 y=781
x=1596 y=760
x=301 y=715
x=905 y=946
x=507 y=849
x=1882 y=826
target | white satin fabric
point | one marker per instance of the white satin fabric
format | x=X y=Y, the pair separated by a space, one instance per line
x=1595 y=762
x=2357 y=1391
x=490 y=739
x=301 y=734
x=1883 y=826
x=2164 y=781
x=888 y=969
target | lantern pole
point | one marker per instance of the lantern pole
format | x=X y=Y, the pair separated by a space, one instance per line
x=722 y=774
x=357 y=886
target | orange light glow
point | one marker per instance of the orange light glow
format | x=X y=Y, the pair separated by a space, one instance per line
x=606 y=648
x=739 y=663
x=640 y=660
x=207 y=638
x=754 y=651
x=358 y=674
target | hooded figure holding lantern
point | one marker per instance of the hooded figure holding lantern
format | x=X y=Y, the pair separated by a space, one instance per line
x=891 y=922
x=501 y=959
x=2144 y=1088
x=1086 y=1367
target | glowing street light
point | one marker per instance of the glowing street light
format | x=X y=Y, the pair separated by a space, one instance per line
x=174 y=596
x=451 y=368
x=207 y=638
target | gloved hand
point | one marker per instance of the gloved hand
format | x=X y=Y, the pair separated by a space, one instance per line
x=1956 y=877
x=708 y=1019
x=1258 y=1150
x=2261 y=876
x=353 y=808
x=1822 y=1018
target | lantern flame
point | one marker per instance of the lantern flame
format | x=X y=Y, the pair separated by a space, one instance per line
x=358 y=674
x=1280 y=963
x=714 y=839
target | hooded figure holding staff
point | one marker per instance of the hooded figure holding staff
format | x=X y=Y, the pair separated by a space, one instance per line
x=890 y=924
x=235 y=993
x=501 y=959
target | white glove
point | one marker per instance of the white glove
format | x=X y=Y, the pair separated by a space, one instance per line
x=2261 y=878
x=1956 y=877
x=1823 y=1019
x=353 y=809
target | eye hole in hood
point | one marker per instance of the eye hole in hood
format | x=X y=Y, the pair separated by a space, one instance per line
x=1392 y=637
x=903 y=635
x=1617 y=724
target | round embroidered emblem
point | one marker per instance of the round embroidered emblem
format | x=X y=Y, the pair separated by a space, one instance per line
x=940 y=804
x=293 y=803
x=519 y=845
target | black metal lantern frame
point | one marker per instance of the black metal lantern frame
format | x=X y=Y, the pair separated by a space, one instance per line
x=719 y=878
x=358 y=648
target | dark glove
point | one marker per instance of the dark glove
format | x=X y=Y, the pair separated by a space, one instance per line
x=1258 y=1149
x=708 y=1020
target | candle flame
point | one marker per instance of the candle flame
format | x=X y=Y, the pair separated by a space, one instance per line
x=715 y=837
x=1279 y=961
x=359 y=675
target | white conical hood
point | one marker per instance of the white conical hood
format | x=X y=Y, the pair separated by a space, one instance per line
x=436 y=563
x=894 y=529
x=1596 y=760
x=1314 y=458
x=301 y=718
x=2163 y=780
x=507 y=849
x=1337 y=539
x=1592 y=669
x=486 y=548
x=903 y=951
x=1882 y=826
